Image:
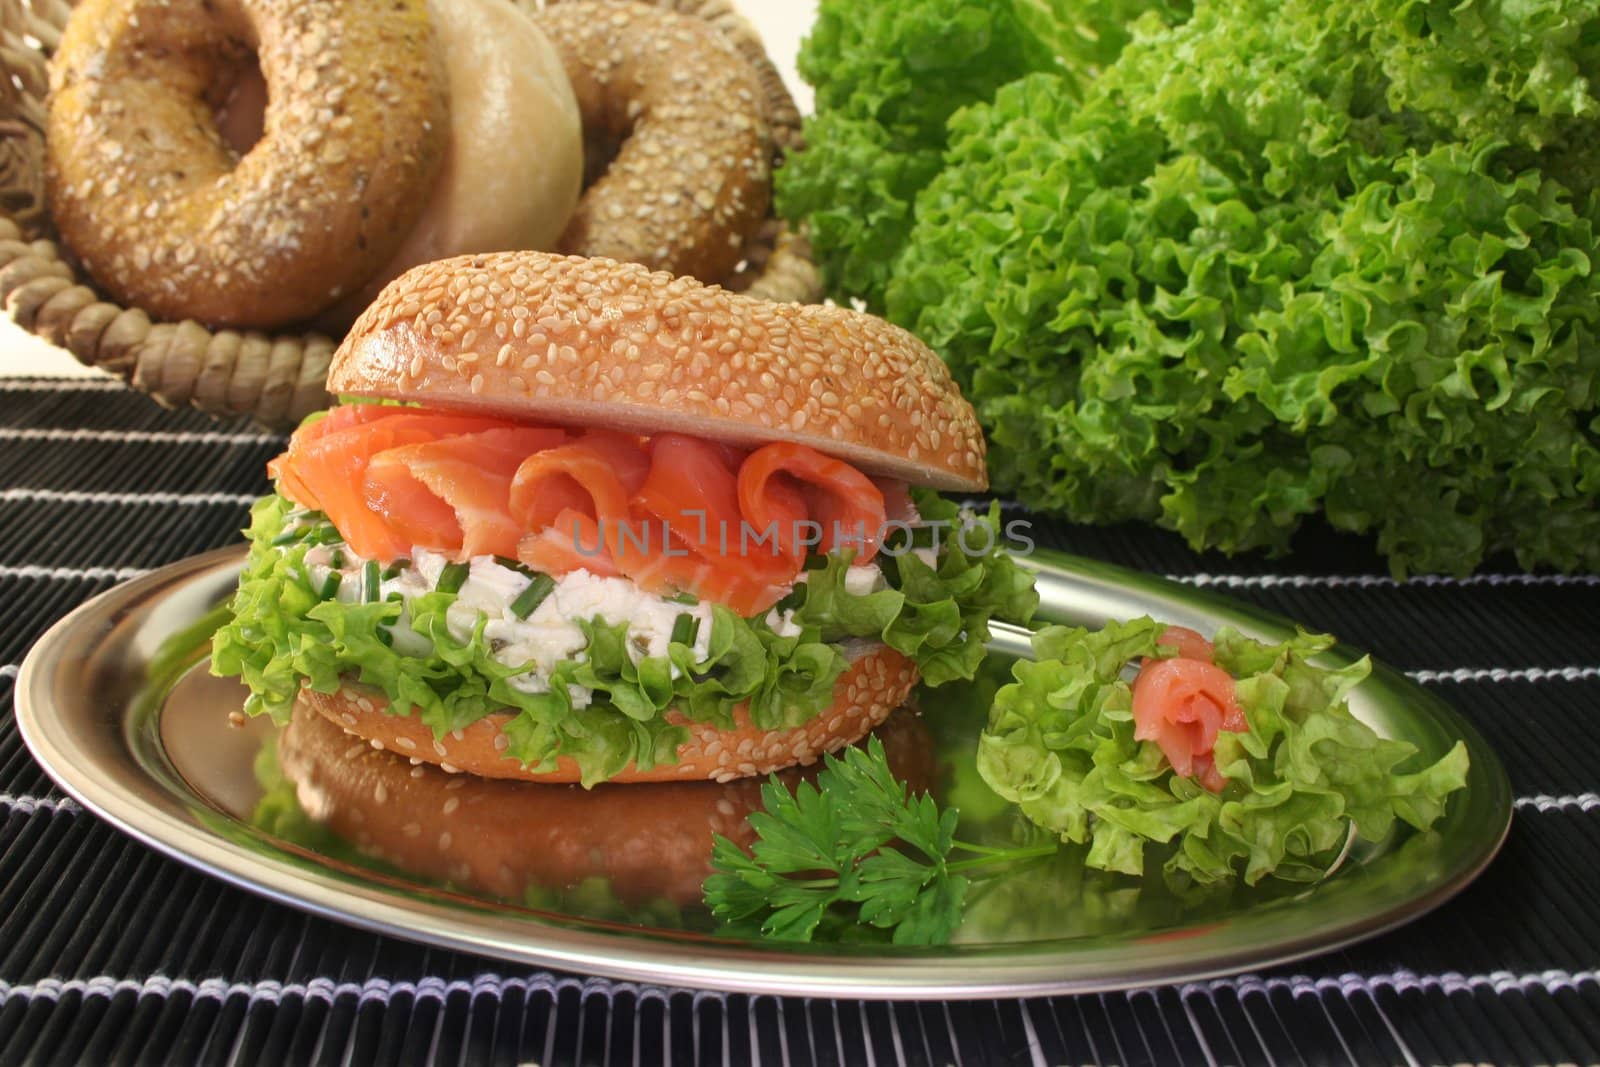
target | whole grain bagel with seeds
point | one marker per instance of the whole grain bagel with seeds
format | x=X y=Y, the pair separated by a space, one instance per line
x=678 y=149
x=166 y=216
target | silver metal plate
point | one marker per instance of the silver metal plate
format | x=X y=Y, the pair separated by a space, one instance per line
x=112 y=704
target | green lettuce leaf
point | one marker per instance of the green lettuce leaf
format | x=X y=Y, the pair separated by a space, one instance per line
x=936 y=615
x=1060 y=744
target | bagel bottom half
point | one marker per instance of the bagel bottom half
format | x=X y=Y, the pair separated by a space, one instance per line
x=511 y=840
x=877 y=681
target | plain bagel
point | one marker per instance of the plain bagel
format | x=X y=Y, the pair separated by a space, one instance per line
x=514 y=164
x=877 y=681
x=545 y=338
x=166 y=217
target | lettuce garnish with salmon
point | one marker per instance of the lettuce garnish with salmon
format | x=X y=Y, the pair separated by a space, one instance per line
x=1218 y=758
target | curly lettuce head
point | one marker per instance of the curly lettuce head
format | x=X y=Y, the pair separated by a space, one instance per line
x=1061 y=744
x=1288 y=258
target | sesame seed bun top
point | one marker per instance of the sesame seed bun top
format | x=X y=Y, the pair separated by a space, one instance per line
x=564 y=339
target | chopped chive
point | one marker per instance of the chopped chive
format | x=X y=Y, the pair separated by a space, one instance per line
x=393 y=570
x=685 y=629
x=529 y=599
x=370 y=581
x=288 y=537
x=326 y=534
x=453 y=577
x=330 y=585
x=791 y=600
x=337 y=559
x=385 y=637
x=396 y=597
x=683 y=598
x=516 y=565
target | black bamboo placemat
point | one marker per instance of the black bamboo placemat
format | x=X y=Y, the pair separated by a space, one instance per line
x=111 y=953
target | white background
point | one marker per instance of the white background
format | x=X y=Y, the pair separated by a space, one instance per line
x=782 y=23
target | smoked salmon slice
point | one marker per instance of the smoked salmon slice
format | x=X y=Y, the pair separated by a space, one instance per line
x=692 y=490
x=330 y=471
x=625 y=452
x=785 y=484
x=1189 y=643
x=576 y=477
x=676 y=529
x=470 y=475
x=545 y=491
x=572 y=542
x=1182 y=704
x=341 y=418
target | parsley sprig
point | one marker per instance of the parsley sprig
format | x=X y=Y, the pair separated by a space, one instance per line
x=856 y=849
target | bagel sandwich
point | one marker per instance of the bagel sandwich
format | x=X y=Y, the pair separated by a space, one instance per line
x=581 y=522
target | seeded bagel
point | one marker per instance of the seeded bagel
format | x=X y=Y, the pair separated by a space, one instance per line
x=676 y=140
x=539 y=337
x=166 y=217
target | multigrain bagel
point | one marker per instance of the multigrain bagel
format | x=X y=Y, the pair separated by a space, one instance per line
x=591 y=341
x=507 y=838
x=876 y=682
x=166 y=217
x=677 y=144
x=514 y=164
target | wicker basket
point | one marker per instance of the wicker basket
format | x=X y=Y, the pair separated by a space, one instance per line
x=274 y=378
